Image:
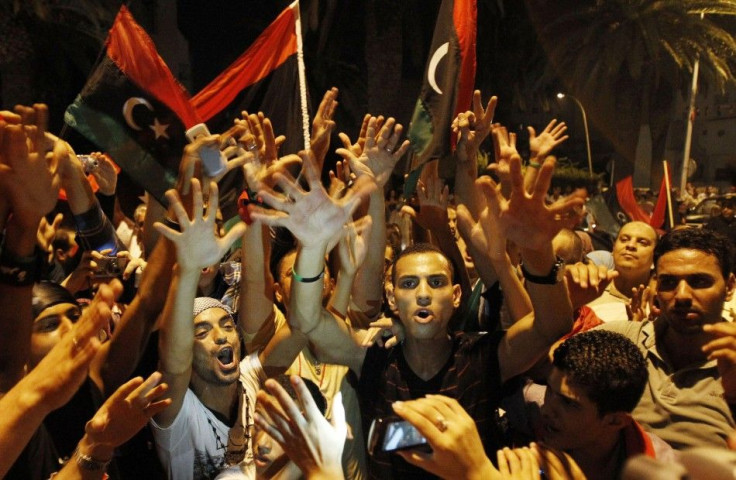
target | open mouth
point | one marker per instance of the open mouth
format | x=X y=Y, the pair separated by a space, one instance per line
x=423 y=315
x=226 y=357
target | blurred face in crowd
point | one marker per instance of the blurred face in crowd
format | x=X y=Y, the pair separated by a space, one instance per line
x=691 y=289
x=268 y=456
x=570 y=419
x=424 y=295
x=50 y=327
x=283 y=286
x=634 y=248
x=216 y=348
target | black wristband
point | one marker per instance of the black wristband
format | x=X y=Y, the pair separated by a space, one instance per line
x=21 y=271
x=553 y=277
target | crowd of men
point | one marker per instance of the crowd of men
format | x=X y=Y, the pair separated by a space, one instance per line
x=327 y=330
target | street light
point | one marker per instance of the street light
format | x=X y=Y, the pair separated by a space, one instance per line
x=585 y=125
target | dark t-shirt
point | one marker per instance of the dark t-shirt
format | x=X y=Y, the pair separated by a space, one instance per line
x=471 y=375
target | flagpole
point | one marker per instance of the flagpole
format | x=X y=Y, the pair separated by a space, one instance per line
x=302 y=77
x=669 y=195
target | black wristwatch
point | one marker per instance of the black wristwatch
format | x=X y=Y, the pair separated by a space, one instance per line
x=554 y=276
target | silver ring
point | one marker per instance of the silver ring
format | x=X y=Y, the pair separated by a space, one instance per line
x=441 y=423
x=76 y=343
x=389 y=150
x=252 y=147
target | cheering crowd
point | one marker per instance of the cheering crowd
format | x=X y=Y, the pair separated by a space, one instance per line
x=318 y=327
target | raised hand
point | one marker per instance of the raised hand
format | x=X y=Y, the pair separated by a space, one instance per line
x=310 y=441
x=432 y=195
x=357 y=147
x=340 y=179
x=549 y=138
x=197 y=246
x=586 y=282
x=322 y=126
x=105 y=174
x=472 y=127
x=47 y=232
x=504 y=147
x=636 y=308
x=482 y=236
x=352 y=247
x=380 y=153
x=313 y=217
x=524 y=217
x=126 y=411
x=27 y=173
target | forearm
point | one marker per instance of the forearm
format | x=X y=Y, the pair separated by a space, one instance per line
x=88 y=448
x=177 y=329
x=367 y=289
x=306 y=297
x=553 y=313
x=340 y=298
x=465 y=191
x=256 y=285
x=120 y=356
x=79 y=192
x=515 y=295
x=16 y=317
x=23 y=411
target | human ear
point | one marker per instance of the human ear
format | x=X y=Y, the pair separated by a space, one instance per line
x=730 y=285
x=456 y=295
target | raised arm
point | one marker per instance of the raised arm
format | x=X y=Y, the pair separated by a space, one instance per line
x=29 y=188
x=53 y=382
x=382 y=150
x=527 y=221
x=196 y=248
x=322 y=126
x=471 y=128
x=317 y=221
x=487 y=245
x=256 y=286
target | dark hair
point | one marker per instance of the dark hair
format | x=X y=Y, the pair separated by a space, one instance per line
x=48 y=294
x=421 y=248
x=703 y=239
x=62 y=239
x=319 y=399
x=607 y=365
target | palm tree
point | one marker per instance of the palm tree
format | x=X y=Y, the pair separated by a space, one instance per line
x=626 y=59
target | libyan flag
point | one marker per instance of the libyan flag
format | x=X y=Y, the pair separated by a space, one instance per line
x=133 y=108
x=447 y=88
x=265 y=78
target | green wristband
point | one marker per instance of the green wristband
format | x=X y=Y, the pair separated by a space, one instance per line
x=301 y=279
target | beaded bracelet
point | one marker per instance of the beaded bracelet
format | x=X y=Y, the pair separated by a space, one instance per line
x=301 y=279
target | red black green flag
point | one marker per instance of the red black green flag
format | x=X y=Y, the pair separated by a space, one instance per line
x=133 y=108
x=264 y=78
x=447 y=88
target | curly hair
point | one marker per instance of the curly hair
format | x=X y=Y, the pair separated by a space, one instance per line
x=607 y=365
x=703 y=239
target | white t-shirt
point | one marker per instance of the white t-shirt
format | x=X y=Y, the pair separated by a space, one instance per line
x=193 y=447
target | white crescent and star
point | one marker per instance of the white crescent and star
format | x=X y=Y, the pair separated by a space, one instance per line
x=433 y=63
x=159 y=129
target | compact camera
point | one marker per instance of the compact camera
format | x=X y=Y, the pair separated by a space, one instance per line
x=392 y=433
x=89 y=163
x=110 y=267
x=213 y=161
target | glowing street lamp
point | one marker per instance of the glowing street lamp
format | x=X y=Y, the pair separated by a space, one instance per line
x=585 y=125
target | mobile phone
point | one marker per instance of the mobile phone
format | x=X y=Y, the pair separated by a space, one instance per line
x=393 y=433
x=213 y=161
x=110 y=267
